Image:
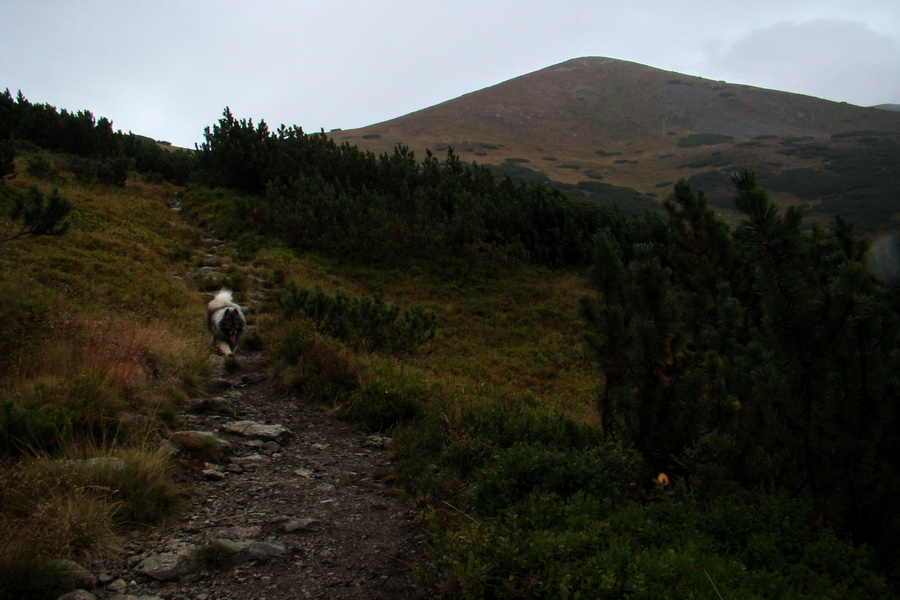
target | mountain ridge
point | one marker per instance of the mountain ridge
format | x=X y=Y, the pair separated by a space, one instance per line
x=598 y=82
x=628 y=124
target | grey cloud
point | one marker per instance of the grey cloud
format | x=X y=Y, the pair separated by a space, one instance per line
x=833 y=59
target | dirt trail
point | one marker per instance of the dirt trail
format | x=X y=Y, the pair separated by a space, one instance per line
x=307 y=515
x=297 y=506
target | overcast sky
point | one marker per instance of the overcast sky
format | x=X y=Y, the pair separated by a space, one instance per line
x=167 y=68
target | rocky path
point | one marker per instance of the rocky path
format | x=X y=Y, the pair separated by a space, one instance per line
x=286 y=502
x=294 y=509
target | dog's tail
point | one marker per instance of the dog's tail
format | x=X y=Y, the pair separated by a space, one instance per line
x=221 y=299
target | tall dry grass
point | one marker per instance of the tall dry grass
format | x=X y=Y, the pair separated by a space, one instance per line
x=74 y=507
x=100 y=344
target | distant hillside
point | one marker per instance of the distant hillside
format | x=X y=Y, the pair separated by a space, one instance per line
x=600 y=124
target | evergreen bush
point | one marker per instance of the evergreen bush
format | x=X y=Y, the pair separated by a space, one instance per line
x=33 y=214
x=316 y=195
x=515 y=472
x=365 y=323
x=81 y=134
x=764 y=355
x=587 y=546
x=704 y=139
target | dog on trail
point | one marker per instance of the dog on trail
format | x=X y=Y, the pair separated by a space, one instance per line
x=226 y=322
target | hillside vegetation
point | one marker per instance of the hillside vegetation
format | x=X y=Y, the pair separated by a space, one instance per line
x=99 y=347
x=583 y=404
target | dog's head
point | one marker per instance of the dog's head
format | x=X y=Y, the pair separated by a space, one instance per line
x=232 y=326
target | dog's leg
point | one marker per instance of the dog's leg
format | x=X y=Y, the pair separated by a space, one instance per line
x=223 y=346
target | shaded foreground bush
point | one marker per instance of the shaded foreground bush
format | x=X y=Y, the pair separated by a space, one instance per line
x=590 y=546
x=528 y=504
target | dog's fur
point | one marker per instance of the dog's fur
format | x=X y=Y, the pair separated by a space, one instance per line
x=226 y=322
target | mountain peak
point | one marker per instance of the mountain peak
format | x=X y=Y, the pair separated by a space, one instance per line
x=629 y=124
x=605 y=102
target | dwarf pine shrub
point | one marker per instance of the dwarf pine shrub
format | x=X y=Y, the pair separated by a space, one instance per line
x=366 y=323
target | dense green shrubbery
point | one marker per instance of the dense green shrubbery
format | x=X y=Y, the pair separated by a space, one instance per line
x=764 y=356
x=22 y=431
x=379 y=409
x=714 y=159
x=450 y=447
x=38 y=166
x=625 y=199
x=317 y=195
x=518 y=471
x=7 y=159
x=542 y=507
x=365 y=323
x=32 y=214
x=111 y=172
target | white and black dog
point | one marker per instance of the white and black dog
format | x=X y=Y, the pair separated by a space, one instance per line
x=226 y=322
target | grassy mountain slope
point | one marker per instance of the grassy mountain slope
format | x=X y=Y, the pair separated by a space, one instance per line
x=630 y=125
